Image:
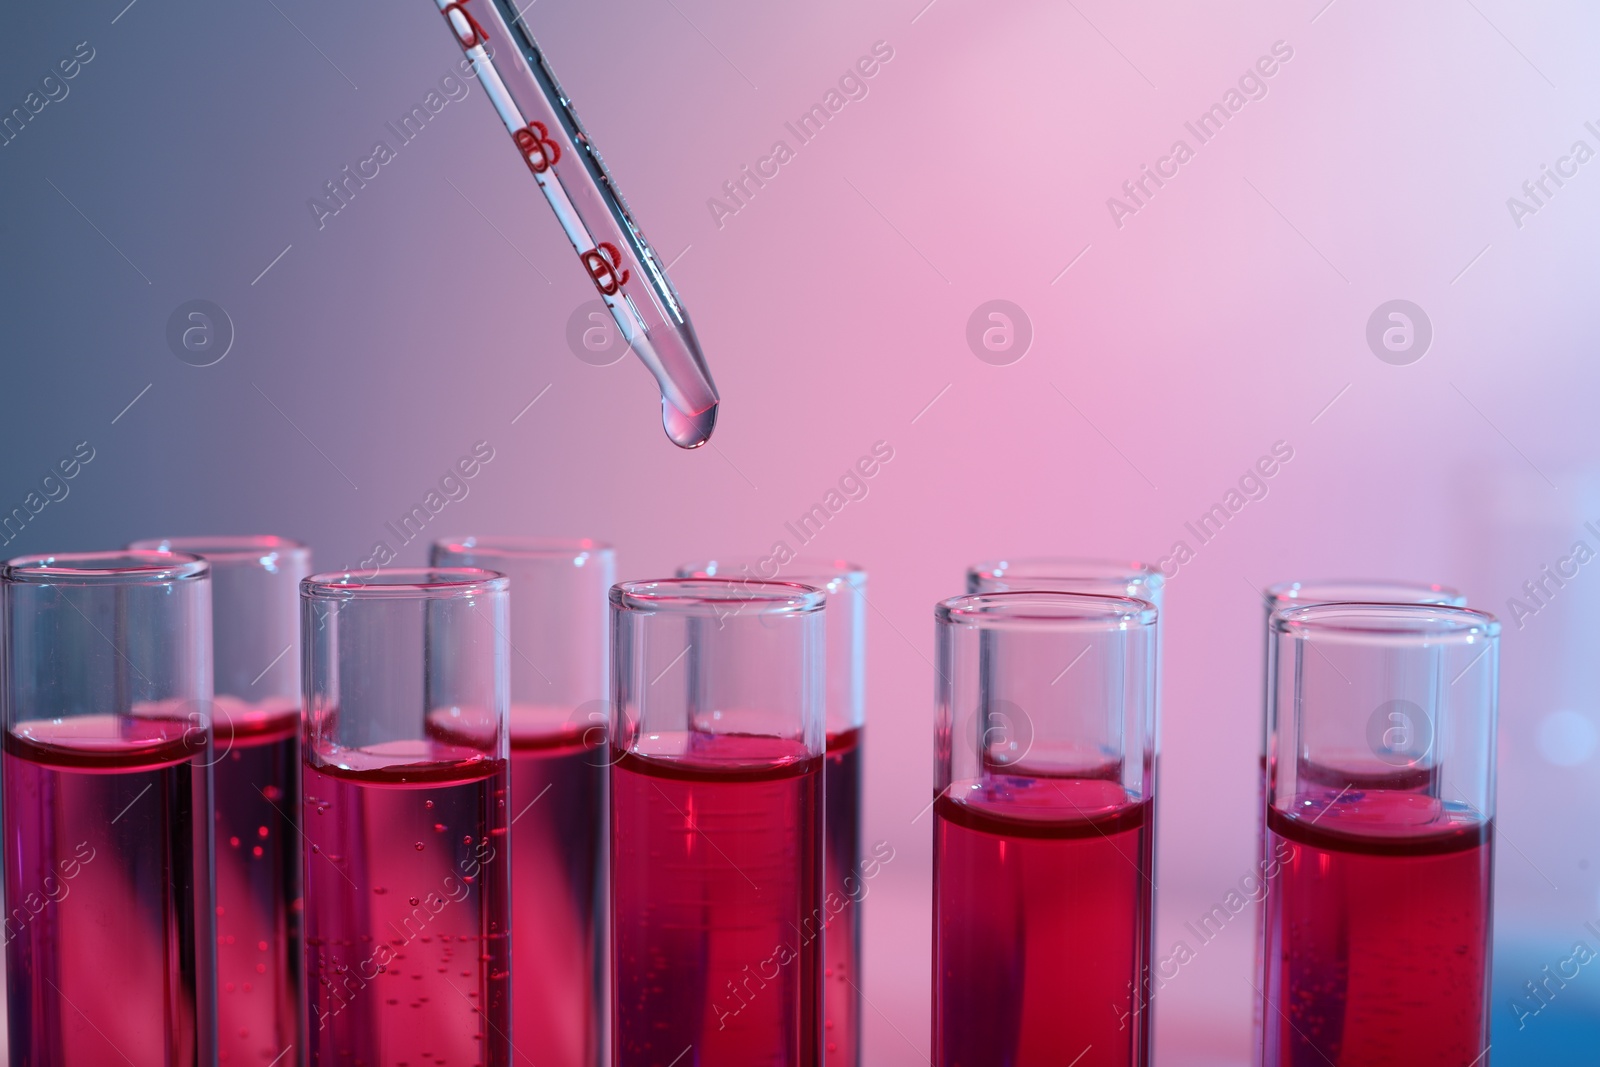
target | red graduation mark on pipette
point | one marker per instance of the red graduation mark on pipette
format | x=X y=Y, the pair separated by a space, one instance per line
x=602 y=262
x=466 y=28
x=537 y=147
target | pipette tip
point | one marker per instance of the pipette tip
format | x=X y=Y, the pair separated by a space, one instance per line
x=685 y=430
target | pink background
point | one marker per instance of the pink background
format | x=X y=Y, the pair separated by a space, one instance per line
x=1227 y=314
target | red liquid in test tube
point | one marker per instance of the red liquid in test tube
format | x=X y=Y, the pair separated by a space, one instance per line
x=74 y=866
x=1391 y=969
x=715 y=864
x=557 y=799
x=256 y=783
x=842 y=882
x=558 y=791
x=407 y=911
x=1043 y=901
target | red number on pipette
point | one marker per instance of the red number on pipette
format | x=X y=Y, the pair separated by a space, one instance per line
x=467 y=30
x=602 y=262
x=537 y=147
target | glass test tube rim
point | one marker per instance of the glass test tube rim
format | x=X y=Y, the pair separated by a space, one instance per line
x=516 y=546
x=229 y=548
x=1046 y=609
x=1065 y=569
x=1393 y=625
x=1286 y=596
x=705 y=596
x=819 y=572
x=111 y=567
x=423 y=583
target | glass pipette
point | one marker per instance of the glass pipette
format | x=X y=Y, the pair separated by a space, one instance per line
x=574 y=179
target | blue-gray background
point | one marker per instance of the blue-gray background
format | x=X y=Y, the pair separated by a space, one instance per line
x=1168 y=352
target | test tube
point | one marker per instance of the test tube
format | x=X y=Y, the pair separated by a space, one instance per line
x=716 y=823
x=1043 y=835
x=1289 y=595
x=110 y=936
x=1380 y=831
x=255 y=641
x=559 y=681
x=407 y=878
x=845 y=719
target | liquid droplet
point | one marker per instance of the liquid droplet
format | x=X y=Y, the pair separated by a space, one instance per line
x=685 y=430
